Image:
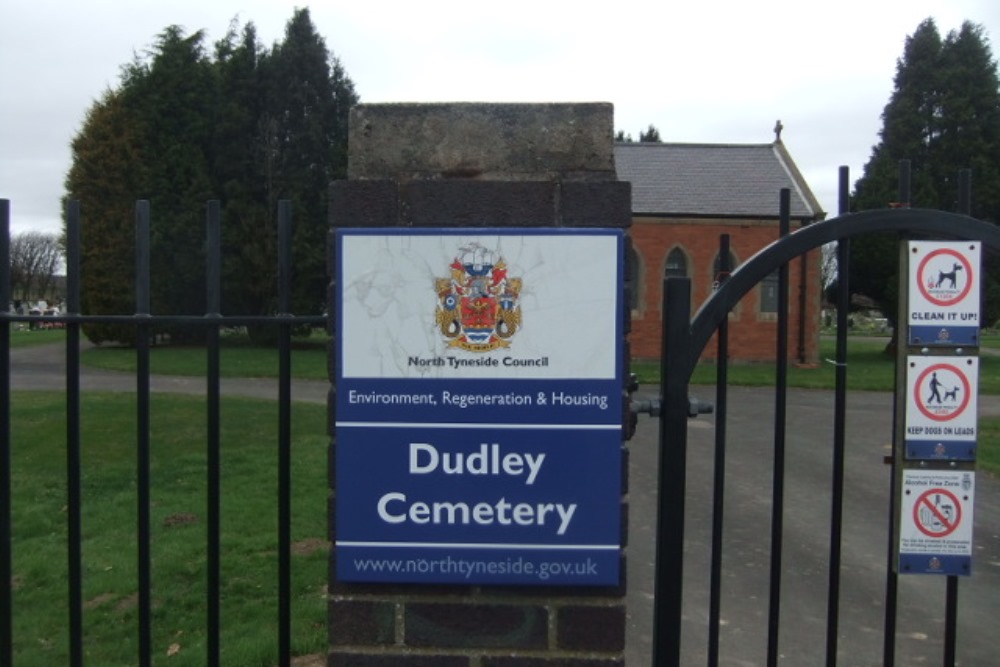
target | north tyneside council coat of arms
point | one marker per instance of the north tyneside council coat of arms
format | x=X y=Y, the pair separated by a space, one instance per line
x=478 y=305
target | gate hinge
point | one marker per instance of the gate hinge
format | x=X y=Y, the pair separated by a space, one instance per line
x=654 y=407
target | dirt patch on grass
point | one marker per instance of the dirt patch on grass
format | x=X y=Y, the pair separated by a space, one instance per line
x=317 y=660
x=180 y=519
x=310 y=546
x=94 y=603
x=128 y=603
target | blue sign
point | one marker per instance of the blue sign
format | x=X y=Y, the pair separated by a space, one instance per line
x=479 y=406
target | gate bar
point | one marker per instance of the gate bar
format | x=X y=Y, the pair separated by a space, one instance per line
x=839 y=431
x=6 y=586
x=719 y=481
x=213 y=299
x=284 y=433
x=74 y=549
x=142 y=299
x=892 y=579
x=780 y=411
x=951 y=592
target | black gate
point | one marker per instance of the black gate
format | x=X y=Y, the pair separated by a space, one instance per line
x=144 y=323
x=683 y=343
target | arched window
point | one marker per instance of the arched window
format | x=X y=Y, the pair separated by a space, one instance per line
x=769 y=294
x=677 y=264
x=718 y=274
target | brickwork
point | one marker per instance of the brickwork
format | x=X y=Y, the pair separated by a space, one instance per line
x=482 y=166
x=752 y=333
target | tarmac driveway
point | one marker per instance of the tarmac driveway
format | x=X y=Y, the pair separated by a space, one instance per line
x=746 y=552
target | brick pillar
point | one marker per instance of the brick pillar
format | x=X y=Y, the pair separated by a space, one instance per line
x=478 y=165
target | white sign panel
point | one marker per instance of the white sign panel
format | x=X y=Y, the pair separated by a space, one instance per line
x=397 y=290
x=944 y=292
x=941 y=407
x=935 y=534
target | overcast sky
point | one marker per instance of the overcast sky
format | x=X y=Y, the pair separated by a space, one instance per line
x=700 y=72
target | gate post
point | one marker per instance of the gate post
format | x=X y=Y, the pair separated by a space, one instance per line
x=469 y=167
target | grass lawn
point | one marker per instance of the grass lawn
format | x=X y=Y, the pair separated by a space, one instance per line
x=178 y=472
x=237 y=359
x=26 y=337
x=869 y=368
x=249 y=558
x=988 y=452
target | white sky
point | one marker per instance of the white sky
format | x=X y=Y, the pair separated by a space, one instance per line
x=700 y=72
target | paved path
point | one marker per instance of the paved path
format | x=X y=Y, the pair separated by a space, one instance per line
x=747 y=528
x=44 y=367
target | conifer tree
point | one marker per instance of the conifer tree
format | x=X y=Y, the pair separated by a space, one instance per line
x=943 y=116
x=173 y=96
x=306 y=118
x=104 y=177
x=240 y=171
x=249 y=127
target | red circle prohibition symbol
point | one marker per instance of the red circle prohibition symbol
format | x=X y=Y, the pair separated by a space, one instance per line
x=966 y=266
x=959 y=409
x=931 y=518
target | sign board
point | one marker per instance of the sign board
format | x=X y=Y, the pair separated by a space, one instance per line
x=935 y=535
x=479 y=406
x=944 y=292
x=941 y=407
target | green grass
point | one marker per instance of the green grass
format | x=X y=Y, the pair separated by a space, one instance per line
x=869 y=368
x=237 y=359
x=27 y=337
x=990 y=339
x=988 y=450
x=178 y=472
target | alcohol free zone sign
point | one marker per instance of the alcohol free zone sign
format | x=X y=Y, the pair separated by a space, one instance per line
x=944 y=292
x=941 y=414
x=935 y=528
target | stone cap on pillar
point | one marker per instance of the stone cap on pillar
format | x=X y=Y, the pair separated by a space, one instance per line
x=482 y=141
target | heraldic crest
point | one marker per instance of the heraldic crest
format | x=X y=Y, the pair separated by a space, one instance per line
x=479 y=304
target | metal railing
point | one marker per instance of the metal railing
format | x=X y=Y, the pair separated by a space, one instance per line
x=144 y=323
x=683 y=343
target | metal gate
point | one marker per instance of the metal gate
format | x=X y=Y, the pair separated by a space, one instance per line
x=144 y=323
x=683 y=343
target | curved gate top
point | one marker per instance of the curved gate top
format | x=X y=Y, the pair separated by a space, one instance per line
x=683 y=344
x=785 y=249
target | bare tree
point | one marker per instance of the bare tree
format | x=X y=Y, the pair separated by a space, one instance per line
x=34 y=259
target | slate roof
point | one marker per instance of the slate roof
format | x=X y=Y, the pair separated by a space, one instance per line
x=719 y=180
